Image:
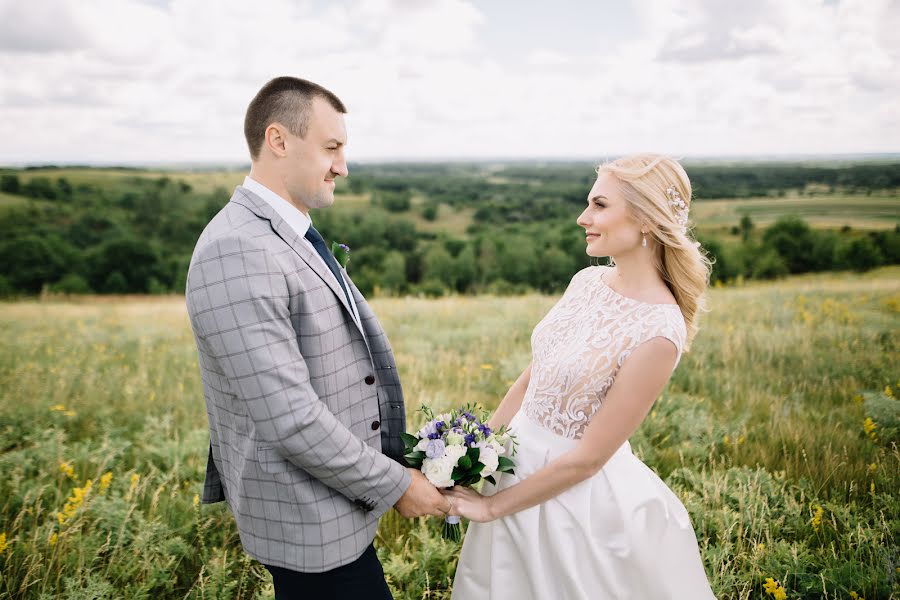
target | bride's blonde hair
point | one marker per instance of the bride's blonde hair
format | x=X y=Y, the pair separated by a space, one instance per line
x=644 y=179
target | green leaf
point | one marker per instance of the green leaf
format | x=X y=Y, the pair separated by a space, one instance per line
x=491 y=479
x=473 y=454
x=505 y=462
x=410 y=440
x=464 y=462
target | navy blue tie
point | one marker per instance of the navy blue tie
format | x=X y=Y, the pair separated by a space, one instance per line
x=315 y=238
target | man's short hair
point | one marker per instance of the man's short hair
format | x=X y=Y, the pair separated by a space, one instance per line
x=286 y=100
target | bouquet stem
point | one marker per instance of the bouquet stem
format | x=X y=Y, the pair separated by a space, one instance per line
x=452 y=529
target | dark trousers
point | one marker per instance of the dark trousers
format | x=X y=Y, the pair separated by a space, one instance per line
x=363 y=579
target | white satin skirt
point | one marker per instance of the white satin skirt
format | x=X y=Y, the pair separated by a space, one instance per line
x=621 y=534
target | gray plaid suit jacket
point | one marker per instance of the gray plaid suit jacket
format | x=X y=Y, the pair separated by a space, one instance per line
x=305 y=408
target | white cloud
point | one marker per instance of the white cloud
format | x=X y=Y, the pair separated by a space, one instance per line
x=120 y=80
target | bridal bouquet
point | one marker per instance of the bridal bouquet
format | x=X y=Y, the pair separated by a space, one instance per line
x=458 y=448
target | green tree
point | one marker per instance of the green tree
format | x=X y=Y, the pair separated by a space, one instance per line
x=395 y=201
x=10 y=184
x=746 y=227
x=430 y=212
x=440 y=266
x=792 y=238
x=40 y=188
x=65 y=189
x=136 y=261
x=32 y=261
x=768 y=264
x=71 y=284
x=115 y=283
x=860 y=254
x=6 y=288
x=556 y=268
x=393 y=272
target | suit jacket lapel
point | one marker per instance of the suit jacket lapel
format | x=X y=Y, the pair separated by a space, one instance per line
x=263 y=210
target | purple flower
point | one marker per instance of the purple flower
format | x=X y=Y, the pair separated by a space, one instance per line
x=435 y=449
x=470 y=439
x=428 y=430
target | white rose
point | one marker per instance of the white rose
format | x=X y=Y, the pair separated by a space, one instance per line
x=489 y=458
x=438 y=471
x=498 y=447
x=422 y=446
x=453 y=453
x=455 y=439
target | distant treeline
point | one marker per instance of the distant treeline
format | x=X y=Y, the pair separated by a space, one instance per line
x=132 y=233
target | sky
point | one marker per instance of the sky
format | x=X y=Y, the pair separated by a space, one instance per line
x=168 y=81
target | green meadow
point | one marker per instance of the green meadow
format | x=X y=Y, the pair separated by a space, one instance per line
x=778 y=431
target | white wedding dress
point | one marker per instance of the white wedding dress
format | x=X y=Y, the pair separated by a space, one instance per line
x=622 y=533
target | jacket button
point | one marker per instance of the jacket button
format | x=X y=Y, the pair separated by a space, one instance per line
x=370 y=379
x=375 y=425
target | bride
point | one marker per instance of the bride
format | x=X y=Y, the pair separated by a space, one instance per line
x=583 y=517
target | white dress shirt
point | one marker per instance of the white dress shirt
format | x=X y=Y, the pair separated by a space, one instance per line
x=299 y=222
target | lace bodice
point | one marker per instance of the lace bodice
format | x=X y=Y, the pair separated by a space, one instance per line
x=579 y=346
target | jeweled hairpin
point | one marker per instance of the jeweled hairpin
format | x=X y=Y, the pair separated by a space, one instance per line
x=679 y=206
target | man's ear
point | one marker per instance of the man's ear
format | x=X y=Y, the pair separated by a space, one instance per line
x=275 y=139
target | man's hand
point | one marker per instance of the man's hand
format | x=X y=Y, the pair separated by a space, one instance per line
x=422 y=498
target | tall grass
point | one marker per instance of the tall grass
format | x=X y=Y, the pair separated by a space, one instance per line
x=779 y=432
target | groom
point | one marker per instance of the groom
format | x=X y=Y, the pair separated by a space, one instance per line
x=302 y=392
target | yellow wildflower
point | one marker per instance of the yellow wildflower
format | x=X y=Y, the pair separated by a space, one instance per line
x=105 y=480
x=135 y=479
x=858 y=399
x=487 y=367
x=817 y=517
x=3 y=543
x=66 y=468
x=873 y=467
x=872 y=488
x=888 y=391
x=79 y=495
x=58 y=408
x=53 y=539
x=196 y=500
x=741 y=440
x=760 y=546
x=726 y=440
x=869 y=426
x=70 y=413
x=774 y=589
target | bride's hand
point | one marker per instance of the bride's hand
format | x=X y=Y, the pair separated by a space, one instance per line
x=469 y=504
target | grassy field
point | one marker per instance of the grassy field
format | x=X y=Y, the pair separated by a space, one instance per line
x=778 y=431
x=878 y=211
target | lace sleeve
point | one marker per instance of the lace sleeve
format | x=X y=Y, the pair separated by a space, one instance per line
x=673 y=329
x=579 y=278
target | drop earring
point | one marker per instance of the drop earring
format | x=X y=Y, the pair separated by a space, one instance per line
x=644 y=243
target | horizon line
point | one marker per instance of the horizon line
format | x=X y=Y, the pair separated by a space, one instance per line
x=236 y=165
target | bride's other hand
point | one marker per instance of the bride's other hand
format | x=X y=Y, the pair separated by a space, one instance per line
x=470 y=504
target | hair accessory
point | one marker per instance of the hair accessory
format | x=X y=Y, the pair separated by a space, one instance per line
x=680 y=207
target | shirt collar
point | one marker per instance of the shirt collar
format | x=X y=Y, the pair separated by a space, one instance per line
x=297 y=220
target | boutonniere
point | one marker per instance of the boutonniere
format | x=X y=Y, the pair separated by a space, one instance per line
x=341 y=253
